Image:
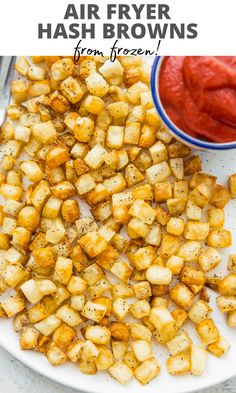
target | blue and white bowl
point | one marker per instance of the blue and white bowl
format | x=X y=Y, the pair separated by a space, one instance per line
x=174 y=130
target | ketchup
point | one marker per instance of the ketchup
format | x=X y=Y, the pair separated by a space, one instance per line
x=199 y=95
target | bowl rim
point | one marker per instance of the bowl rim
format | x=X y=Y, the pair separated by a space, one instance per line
x=177 y=131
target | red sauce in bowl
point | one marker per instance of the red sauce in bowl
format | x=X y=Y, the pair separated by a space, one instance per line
x=198 y=93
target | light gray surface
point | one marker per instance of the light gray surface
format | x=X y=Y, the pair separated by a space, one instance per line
x=17 y=378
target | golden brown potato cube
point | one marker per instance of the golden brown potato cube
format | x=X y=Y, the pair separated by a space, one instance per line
x=201 y=194
x=179 y=364
x=191 y=276
x=115 y=137
x=142 y=290
x=9 y=191
x=28 y=217
x=44 y=132
x=177 y=167
x=232 y=185
x=209 y=259
x=140 y=309
x=207 y=331
x=121 y=214
x=70 y=211
x=219 y=238
x=131 y=75
x=132 y=133
x=216 y=217
x=118 y=109
x=219 y=347
x=139 y=331
x=162 y=319
x=163 y=191
x=57 y=156
x=159 y=275
x=232 y=263
x=39 y=88
x=37 y=313
x=143 y=257
x=134 y=92
x=63 y=270
x=162 y=216
x=158 y=152
x=99 y=335
x=94 y=311
x=58 y=103
x=83 y=129
x=71 y=89
x=76 y=285
x=190 y=250
x=176 y=206
x=147 y=371
x=143 y=211
x=104 y=359
x=121 y=270
x=63 y=336
x=201 y=177
x=121 y=372
x=181 y=295
x=175 y=264
x=180 y=189
x=29 y=338
x=4 y=242
x=144 y=192
x=130 y=360
x=13 y=305
x=115 y=184
x=68 y=315
x=177 y=149
x=32 y=170
x=133 y=175
x=180 y=316
x=14 y=274
x=198 y=359
x=179 y=343
x=220 y=196
x=74 y=350
x=175 y=226
x=93 y=243
x=231 y=319
x=193 y=212
x=158 y=172
x=96 y=84
x=137 y=228
x=196 y=230
x=192 y=164
x=199 y=311
x=170 y=245
x=120 y=331
x=226 y=303
x=19 y=91
x=227 y=285
x=21 y=238
x=55 y=356
x=142 y=350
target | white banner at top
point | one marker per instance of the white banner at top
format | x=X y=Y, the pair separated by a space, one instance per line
x=117 y=27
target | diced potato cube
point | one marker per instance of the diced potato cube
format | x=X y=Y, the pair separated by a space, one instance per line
x=158 y=172
x=179 y=343
x=219 y=347
x=159 y=275
x=147 y=371
x=179 y=364
x=209 y=259
x=199 y=311
x=44 y=132
x=207 y=331
x=219 y=238
x=196 y=230
x=121 y=372
x=181 y=295
x=94 y=311
x=13 y=305
x=227 y=285
x=198 y=359
x=142 y=350
x=95 y=157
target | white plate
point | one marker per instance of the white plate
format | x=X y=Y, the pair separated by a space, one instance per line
x=218 y=370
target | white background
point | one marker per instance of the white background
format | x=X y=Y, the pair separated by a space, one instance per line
x=19 y=20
